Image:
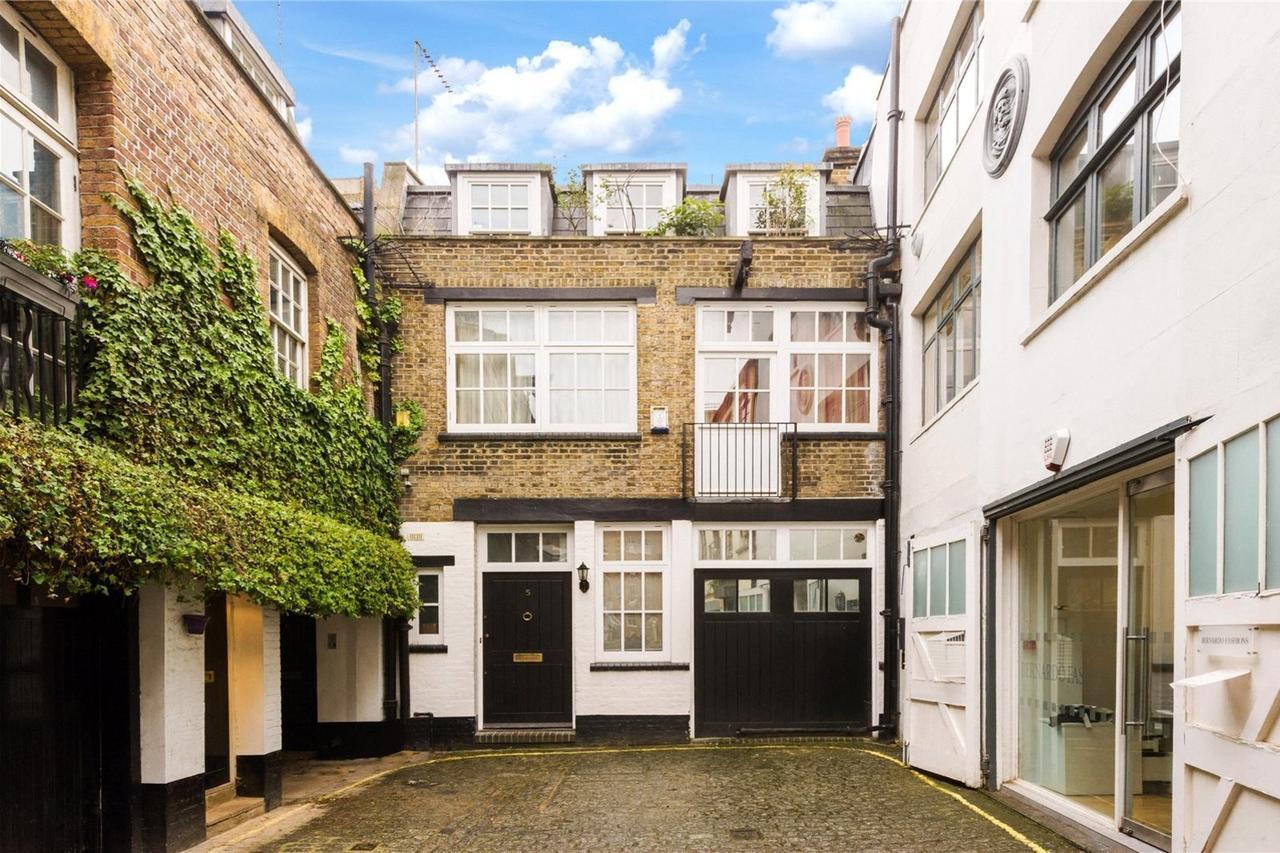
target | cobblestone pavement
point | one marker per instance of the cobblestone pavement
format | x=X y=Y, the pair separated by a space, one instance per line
x=836 y=796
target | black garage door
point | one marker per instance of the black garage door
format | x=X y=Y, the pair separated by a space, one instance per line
x=782 y=649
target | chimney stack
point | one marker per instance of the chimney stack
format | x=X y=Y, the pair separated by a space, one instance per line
x=843 y=157
x=843 y=124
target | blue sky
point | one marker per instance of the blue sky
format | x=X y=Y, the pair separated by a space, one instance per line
x=570 y=83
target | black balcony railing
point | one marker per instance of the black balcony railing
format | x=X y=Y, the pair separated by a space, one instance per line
x=37 y=366
x=738 y=460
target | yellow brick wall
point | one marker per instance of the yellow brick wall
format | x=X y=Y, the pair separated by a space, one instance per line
x=644 y=467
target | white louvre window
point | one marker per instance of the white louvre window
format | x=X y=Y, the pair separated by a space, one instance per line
x=38 y=159
x=632 y=598
x=813 y=364
x=546 y=368
x=632 y=207
x=500 y=208
x=288 y=312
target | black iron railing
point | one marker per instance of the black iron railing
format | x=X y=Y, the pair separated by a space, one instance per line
x=738 y=460
x=37 y=367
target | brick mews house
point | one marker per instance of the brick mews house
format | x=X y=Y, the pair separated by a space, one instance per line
x=647 y=501
x=118 y=714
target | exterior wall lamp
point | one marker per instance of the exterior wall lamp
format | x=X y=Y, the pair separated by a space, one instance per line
x=583 y=583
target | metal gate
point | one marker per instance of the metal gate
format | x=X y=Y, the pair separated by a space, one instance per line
x=779 y=650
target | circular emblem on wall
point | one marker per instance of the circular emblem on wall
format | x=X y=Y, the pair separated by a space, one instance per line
x=1005 y=111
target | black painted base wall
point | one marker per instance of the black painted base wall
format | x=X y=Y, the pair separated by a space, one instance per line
x=627 y=730
x=358 y=740
x=435 y=733
x=261 y=776
x=171 y=815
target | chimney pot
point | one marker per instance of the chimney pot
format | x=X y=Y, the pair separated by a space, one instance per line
x=843 y=124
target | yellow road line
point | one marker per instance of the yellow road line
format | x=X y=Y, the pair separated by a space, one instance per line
x=528 y=753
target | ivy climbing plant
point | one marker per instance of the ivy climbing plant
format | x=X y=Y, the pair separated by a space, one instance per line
x=194 y=458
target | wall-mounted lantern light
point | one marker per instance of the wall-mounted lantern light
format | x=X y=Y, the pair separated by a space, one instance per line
x=195 y=623
x=583 y=583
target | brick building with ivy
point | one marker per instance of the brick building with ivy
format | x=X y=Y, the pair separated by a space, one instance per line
x=196 y=493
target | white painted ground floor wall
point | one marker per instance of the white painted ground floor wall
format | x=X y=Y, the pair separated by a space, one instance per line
x=448 y=684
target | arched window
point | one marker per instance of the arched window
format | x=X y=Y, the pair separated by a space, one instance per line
x=1119 y=157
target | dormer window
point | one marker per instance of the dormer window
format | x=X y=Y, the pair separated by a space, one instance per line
x=633 y=208
x=500 y=207
x=500 y=198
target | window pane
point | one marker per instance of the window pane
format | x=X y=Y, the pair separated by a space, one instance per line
x=653 y=591
x=631 y=591
x=764 y=545
x=713 y=326
x=44 y=81
x=1166 y=42
x=526 y=547
x=1116 y=196
x=947 y=361
x=480 y=218
x=493 y=325
x=955 y=578
x=842 y=596
x=966 y=342
x=468 y=370
x=612 y=632
x=44 y=175
x=938 y=580
x=709 y=545
x=719 y=596
x=1240 y=514
x=1273 y=504
x=480 y=195
x=855 y=545
x=920 y=583
x=737 y=545
x=828 y=545
x=1162 y=159
x=496 y=407
x=753 y=596
x=931 y=379
x=856 y=328
x=632 y=546
x=429 y=619
x=761 y=325
x=468 y=411
x=1068 y=165
x=1068 y=247
x=10 y=213
x=653 y=632
x=520 y=195
x=498 y=195
x=466 y=326
x=1203 y=545
x=45 y=227
x=521 y=326
x=499 y=547
x=429 y=589
x=653 y=545
x=612 y=597
x=589 y=326
x=522 y=407
x=499 y=219
x=802 y=544
x=631 y=639
x=9 y=55
x=612 y=545
x=11 y=151
x=1116 y=105
x=555 y=547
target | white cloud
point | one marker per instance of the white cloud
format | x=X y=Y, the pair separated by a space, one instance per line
x=812 y=27
x=856 y=97
x=356 y=156
x=304 y=130
x=570 y=97
x=636 y=103
x=670 y=49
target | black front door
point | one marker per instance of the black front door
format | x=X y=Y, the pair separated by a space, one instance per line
x=298 y=681
x=528 y=668
x=779 y=649
x=217 y=735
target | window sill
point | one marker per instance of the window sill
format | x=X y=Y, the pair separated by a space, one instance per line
x=941 y=413
x=1143 y=231
x=455 y=437
x=638 y=666
x=428 y=648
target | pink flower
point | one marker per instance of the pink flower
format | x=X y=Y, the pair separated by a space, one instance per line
x=89 y=282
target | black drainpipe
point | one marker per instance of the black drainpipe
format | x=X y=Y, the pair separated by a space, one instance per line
x=877 y=288
x=395 y=646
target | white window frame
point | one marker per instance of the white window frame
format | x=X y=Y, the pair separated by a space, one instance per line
x=437 y=636
x=279 y=255
x=947 y=100
x=662 y=567
x=56 y=134
x=779 y=352
x=956 y=294
x=467 y=185
x=926 y=546
x=482 y=548
x=637 y=213
x=541 y=348
x=782 y=546
x=746 y=221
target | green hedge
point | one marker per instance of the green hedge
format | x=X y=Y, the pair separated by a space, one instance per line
x=81 y=518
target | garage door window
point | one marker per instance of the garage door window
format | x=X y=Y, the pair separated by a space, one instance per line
x=825 y=595
x=736 y=595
